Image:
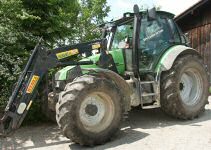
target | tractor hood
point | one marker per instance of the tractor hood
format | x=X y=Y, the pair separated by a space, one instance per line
x=117 y=55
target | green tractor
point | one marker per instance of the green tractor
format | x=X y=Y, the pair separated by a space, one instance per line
x=143 y=59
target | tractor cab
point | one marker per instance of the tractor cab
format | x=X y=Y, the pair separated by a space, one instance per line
x=154 y=35
x=143 y=38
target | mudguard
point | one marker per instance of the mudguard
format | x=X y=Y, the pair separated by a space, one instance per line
x=124 y=88
x=168 y=58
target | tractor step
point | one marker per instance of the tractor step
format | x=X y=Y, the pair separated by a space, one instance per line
x=147 y=82
x=151 y=106
x=145 y=94
x=154 y=94
x=148 y=94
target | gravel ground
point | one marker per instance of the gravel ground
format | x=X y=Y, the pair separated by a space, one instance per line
x=145 y=129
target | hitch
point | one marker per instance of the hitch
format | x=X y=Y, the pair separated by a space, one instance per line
x=5 y=127
x=10 y=122
x=2 y=130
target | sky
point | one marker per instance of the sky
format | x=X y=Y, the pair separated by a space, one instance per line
x=118 y=7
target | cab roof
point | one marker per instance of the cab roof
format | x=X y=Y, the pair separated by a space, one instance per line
x=128 y=15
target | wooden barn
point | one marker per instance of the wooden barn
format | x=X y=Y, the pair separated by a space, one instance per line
x=196 y=22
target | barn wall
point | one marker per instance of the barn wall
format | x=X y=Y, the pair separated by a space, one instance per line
x=198 y=26
x=200 y=39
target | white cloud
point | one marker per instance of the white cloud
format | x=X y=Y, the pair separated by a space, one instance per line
x=118 y=7
x=175 y=6
x=124 y=4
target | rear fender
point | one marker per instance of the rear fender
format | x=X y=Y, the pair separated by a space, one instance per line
x=169 y=57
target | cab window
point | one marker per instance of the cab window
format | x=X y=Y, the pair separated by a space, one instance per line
x=154 y=38
x=174 y=31
x=122 y=33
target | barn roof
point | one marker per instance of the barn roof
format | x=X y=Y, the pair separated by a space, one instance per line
x=189 y=11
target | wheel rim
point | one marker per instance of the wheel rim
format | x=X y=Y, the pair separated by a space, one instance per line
x=96 y=112
x=190 y=86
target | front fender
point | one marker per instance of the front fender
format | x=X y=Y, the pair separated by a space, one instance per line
x=168 y=58
x=122 y=85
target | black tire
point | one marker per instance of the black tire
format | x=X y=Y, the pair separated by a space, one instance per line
x=174 y=101
x=70 y=104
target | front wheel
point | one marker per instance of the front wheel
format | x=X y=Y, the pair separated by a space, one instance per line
x=184 y=88
x=89 y=110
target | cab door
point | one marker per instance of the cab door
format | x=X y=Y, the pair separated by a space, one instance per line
x=155 y=38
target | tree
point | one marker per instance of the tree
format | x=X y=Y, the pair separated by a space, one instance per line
x=9 y=35
x=91 y=14
x=57 y=21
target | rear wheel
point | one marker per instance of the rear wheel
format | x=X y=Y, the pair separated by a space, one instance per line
x=184 y=89
x=89 y=111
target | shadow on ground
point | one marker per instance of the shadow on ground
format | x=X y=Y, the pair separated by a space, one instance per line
x=33 y=137
x=48 y=134
x=145 y=119
x=155 y=118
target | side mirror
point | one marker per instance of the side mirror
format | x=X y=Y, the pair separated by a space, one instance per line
x=152 y=15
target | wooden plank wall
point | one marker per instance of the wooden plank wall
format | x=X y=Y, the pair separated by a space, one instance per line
x=200 y=39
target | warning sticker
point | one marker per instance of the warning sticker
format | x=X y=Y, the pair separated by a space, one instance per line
x=67 y=53
x=32 y=84
x=95 y=46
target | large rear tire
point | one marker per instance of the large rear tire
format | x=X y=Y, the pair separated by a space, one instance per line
x=184 y=88
x=89 y=110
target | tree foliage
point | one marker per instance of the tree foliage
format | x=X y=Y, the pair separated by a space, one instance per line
x=59 y=22
x=92 y=13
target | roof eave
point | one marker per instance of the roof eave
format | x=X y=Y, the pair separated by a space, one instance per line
x=190 y=10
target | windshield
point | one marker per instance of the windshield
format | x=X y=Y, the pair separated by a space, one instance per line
x=117 y=38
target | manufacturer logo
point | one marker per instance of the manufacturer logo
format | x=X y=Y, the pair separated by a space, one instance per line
x=67 y=53
x=32 y=84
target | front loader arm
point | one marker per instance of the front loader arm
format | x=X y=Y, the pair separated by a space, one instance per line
x=37 y=66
